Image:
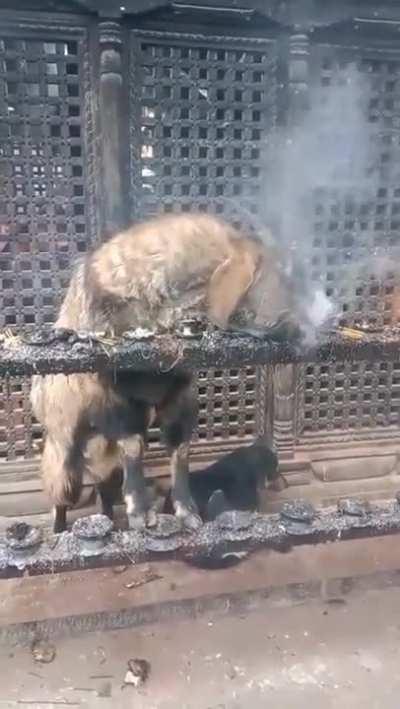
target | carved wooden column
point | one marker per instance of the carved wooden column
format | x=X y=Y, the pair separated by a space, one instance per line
x=299 y=46
x=284 y=409
x=285 y=376
x=113 y=117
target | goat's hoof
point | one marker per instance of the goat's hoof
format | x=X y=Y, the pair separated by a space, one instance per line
x=142 y=520
x=137 y=522
x=190 y=519
x=59 y=528
x=151 y=518
x=186 y=511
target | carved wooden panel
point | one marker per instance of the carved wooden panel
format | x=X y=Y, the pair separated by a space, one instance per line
x=201 y=117
x=358 y=396
x=46 y=192
x=355 y=233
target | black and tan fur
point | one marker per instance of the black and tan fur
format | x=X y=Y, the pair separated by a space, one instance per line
x=240 y=477
x=152 y=274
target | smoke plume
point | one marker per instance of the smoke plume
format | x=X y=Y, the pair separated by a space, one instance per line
x=321 y=179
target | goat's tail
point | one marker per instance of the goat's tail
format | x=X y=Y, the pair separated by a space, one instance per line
x=62 y=473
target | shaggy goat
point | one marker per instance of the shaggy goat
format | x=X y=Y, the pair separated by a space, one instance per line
x=150 y=275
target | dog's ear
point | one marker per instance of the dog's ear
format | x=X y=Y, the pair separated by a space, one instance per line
x=229 y=284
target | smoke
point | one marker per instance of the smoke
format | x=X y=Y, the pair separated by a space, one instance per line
x=319 y=311
x=322 y=177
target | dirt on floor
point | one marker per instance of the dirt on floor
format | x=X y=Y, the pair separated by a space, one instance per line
x=312 y=655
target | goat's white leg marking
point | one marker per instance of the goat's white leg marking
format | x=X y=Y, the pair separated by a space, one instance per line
x=184 y=505
x=135 y=494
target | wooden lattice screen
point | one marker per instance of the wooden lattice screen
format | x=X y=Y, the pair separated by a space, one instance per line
x=200 y=119
x=47 y=215
x=353 y=226
x=201 y=105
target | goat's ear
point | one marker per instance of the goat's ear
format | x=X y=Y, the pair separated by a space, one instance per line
x=228 y=284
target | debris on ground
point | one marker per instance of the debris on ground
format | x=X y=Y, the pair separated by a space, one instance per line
x=100 y=652
x=146 y=577
x=336 y=601
x=137 y=673
x=230 y=671
x=83 y=689
x=119 y=569
x=104 y=690
x=51 y=703
x=43 y=651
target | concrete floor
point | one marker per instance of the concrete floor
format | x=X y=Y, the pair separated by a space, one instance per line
x=312 y=655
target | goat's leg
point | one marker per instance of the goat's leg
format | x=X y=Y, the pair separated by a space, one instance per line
x=62 y=471
x=136 y=499
x=177 y=423
x=106 y=500
x=59 y=518
x=184 y=505
x=108 y=492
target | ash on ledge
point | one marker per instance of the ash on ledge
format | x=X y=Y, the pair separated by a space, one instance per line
x=50 y=351
x=233 y=535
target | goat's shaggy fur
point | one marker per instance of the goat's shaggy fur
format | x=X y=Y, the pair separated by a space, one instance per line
x=152 y=274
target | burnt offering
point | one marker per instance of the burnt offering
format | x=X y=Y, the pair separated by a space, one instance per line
x=191 y=328
x=23 y=539
x=236 y=522
x=18 y=531
x=47 y=336
x=140 y=333
x=165 y=536
x=160 y=353
x=92 y=533
x=297 y=516
x=298 y=511
x=222 y=542
x=354 y=507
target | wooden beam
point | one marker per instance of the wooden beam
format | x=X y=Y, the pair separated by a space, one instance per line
x=67 y=352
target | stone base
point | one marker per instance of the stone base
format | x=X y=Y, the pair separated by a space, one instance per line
x=323 y=474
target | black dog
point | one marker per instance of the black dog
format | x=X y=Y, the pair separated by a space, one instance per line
x=234 y=481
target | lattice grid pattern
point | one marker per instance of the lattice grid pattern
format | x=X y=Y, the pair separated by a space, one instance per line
x=350 y=226
x=231 y=407
x=201 y=119
x=43 y=199
x=205 y=117
x=351 y=396
x=350 y=229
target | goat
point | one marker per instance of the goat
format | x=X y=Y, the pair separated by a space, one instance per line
x=150 y=275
